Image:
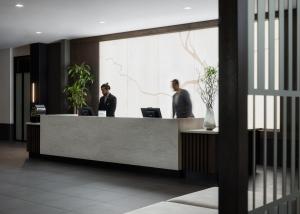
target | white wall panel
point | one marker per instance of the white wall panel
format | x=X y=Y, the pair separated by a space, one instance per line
x=139 y=70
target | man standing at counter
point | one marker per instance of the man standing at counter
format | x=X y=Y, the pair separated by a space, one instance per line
x=182 y=104
x=108 y=102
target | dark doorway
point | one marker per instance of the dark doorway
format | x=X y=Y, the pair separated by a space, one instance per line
x=21 y=96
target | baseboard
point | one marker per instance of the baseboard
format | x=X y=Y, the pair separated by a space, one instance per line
x=198 y=178
x=107 y=165
x=6 y=132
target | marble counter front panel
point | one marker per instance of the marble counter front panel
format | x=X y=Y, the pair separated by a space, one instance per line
x=143 y=142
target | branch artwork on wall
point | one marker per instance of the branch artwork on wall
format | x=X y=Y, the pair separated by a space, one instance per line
x=188 y=47
x=140 y=69
x=123 y=74
x=191 y=50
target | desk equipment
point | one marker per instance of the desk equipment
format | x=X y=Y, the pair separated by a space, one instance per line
x=36 y=112
x=86 y=111
x=151 y=112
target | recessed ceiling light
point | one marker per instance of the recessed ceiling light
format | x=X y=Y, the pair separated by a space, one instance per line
x=187 y=8
x=38 y=32
x=101 y=22
x=19 y=5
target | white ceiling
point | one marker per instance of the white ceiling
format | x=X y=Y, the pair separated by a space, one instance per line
x=68 y=19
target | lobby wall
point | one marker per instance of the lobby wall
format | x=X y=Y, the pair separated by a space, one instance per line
x=22 y=51
x=140 y=69
x=84 y=50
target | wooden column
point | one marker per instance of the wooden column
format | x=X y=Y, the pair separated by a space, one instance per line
x=33 y=139
x=88 y=51
x=58 y=61
x=38 y=73
x=233 y=145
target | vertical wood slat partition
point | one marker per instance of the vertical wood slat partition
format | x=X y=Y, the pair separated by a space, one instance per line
x=274 y=87
x=251 y=20
x=271 y=45
x=261 y=44
x=284 y=147
x=265 y=152
x=298 y=87
x=293 y=145
x=281 y=44
x=298 y=51
x=290 y=44
x=233 y=85
x=275 y=191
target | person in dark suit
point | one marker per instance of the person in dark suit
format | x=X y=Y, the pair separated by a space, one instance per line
x=182 y=104
x=108 y=102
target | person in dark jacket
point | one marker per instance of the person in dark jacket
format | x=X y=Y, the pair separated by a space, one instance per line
x=108 y=102
x=182 y=104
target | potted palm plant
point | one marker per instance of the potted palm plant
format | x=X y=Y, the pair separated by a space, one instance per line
x=80 y=78
x=208 y=88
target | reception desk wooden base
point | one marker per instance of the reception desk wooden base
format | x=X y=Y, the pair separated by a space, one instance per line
x=33 y=138
x=199 y=154
x=145 y=142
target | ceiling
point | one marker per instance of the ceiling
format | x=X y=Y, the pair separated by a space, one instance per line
x=68 y=19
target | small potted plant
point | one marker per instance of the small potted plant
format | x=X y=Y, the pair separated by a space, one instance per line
x=208 y=88
x=80 y=78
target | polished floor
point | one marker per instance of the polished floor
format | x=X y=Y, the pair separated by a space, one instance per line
x=45 y=187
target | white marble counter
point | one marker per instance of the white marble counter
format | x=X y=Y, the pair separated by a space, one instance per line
x=201 y=131
x=32 y=124
x=146 y=142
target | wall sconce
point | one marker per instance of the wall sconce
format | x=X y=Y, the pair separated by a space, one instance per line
x=33 y=93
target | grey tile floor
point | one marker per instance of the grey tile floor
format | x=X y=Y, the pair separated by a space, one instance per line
x=45 y=187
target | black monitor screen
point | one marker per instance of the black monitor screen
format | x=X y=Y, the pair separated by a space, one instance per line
x=151 y=112
x=86 y=111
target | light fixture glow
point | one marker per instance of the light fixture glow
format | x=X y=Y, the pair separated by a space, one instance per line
x=102 y=22
x=38 y=32
x=187 y=8
x=19 y=5
x=33 y=93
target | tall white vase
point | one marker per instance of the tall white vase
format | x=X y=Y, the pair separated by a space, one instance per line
x=209 y=120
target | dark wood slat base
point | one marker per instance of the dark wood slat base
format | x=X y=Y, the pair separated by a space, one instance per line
x=33 y=139
x=199 y=155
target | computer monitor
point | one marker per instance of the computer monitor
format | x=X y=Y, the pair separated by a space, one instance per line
x=86 y=111
x=151 y=112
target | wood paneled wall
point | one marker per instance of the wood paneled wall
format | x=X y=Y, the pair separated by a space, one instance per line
x=88 y=52
x=87 y=49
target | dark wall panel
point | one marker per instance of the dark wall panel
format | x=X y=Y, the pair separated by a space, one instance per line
x=54 y=89
x=152 y=31
x=58 y=57
x=6 y=131
x=38 y=72
x=48 y=72
x=88 y=52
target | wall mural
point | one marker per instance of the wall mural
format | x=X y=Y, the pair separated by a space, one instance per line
x=129 y=78
x=140 y=69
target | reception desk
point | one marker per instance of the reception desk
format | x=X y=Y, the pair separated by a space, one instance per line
x=146 y=142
